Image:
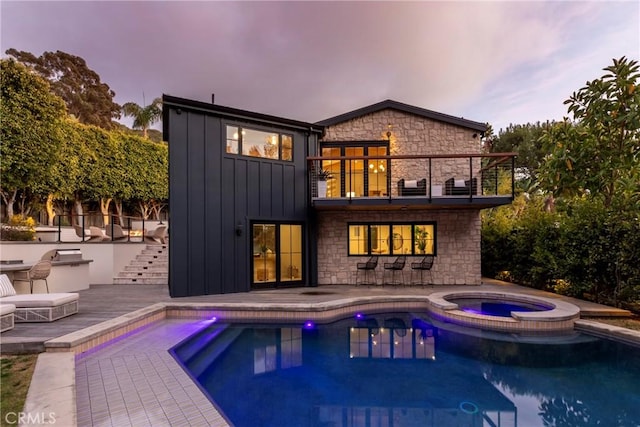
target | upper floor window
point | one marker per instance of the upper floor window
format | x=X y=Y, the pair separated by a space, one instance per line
x=257 y=143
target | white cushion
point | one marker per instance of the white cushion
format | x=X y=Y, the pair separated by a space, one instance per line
x=6 y=288
x=411 y=184
x=7 y=309
x=40 y=300
x=459 y=183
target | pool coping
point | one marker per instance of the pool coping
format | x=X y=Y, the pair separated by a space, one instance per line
x=74 y=344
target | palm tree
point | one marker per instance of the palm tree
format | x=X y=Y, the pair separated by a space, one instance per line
x=143 y=117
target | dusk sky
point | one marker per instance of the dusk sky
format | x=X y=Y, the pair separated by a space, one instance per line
x=495 y=62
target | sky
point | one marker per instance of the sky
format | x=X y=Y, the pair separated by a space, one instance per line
x=497 y=62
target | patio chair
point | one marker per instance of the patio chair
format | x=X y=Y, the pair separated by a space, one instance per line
x=394 y=268
x=367 y=268
x=38 y=307
x=460 y=187
x=96 y=235
x=424 y=265
x=412 y=187
x=81 y=232
x=158 y=236
x=115 y=232
x=39 y=271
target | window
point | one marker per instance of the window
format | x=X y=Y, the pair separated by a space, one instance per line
x=392 y=239
x=257 y=143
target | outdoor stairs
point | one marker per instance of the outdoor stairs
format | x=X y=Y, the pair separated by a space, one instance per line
x=150 y=267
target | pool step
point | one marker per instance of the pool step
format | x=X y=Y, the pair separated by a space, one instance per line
x=187 y=350
x=200 y=361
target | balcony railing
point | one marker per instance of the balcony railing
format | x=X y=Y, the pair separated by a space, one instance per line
x=419 y=181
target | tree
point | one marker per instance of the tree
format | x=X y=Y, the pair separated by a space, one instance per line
x=599 y=152
x=524 y=140
x=86 y=97
x=30 y=131
x=143 y=117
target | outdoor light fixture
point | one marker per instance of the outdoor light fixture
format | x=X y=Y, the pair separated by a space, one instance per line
x=239 y=229
x=309 y=324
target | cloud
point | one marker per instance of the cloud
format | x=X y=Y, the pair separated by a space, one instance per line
x=488 y=61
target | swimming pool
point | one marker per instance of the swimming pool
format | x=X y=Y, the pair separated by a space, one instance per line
x=403 y=369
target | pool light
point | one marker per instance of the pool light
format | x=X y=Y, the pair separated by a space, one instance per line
x=359 y=316
x=309 y=324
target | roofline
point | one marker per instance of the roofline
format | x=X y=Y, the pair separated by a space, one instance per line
x=395 y=105
x=235 y=113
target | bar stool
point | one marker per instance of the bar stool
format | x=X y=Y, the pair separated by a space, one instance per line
x=394 y=267
x=424 y=265
x=366 y=268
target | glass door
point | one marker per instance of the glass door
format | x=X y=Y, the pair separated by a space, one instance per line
x=277 y=254
x=377 y=172
x=354 y=172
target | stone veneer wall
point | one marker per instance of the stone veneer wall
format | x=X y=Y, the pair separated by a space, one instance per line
x=458 y=245
x=411 y=134
x=458 y=240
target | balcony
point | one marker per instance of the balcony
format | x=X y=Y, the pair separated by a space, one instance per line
x=453 y=181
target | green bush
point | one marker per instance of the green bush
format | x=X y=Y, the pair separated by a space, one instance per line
x=18 y=228
x=584 y=250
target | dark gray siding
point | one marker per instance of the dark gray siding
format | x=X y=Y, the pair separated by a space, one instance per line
x=212 y=193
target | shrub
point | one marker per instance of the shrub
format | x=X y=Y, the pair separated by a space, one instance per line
x=18 y=228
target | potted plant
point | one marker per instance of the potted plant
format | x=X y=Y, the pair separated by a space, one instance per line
x=323 y=176
x=422 y=236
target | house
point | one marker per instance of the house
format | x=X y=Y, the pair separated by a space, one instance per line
x=249 y=208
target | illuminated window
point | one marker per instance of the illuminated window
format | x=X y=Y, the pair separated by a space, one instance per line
x=257 y=143
x=392 y=239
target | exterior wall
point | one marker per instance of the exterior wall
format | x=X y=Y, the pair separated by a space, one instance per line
x=458 y=251
x=214 y=197
x=458 y=239
x=415 y=135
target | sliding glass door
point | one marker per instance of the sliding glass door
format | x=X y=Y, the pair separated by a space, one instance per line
x=277 y=254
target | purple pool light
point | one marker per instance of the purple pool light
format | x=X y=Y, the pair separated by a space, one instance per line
x=309 y=324
x=359 y=316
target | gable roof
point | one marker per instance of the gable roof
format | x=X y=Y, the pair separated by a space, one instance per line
x=406 y=108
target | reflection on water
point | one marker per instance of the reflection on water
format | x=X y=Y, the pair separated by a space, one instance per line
x=405 y=370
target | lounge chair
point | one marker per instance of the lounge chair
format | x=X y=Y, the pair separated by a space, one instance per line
x=81 y=232
x=159 y=235
x=38 y=307
x=96 y=235
x=39 y=271
x=7 y=318
x=115 y=232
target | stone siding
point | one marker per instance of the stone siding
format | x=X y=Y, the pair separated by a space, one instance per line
x=458 y=231
x=414 y=135
x=458 y=245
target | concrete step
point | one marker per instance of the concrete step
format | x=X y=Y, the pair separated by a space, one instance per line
x=152 y=258
x=154 y=252
x=131 y=281
x=147 y=263
x=156 y=266
x=145 y=274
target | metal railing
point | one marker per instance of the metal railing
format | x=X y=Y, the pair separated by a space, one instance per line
x=88 y=228
x=399 y=176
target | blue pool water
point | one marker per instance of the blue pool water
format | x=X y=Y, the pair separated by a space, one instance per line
x=494 y=307
x=405 y=369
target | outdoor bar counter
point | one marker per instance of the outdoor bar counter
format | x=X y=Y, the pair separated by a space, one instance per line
x=67 y=275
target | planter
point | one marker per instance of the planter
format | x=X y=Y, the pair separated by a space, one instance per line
x=322 y=189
